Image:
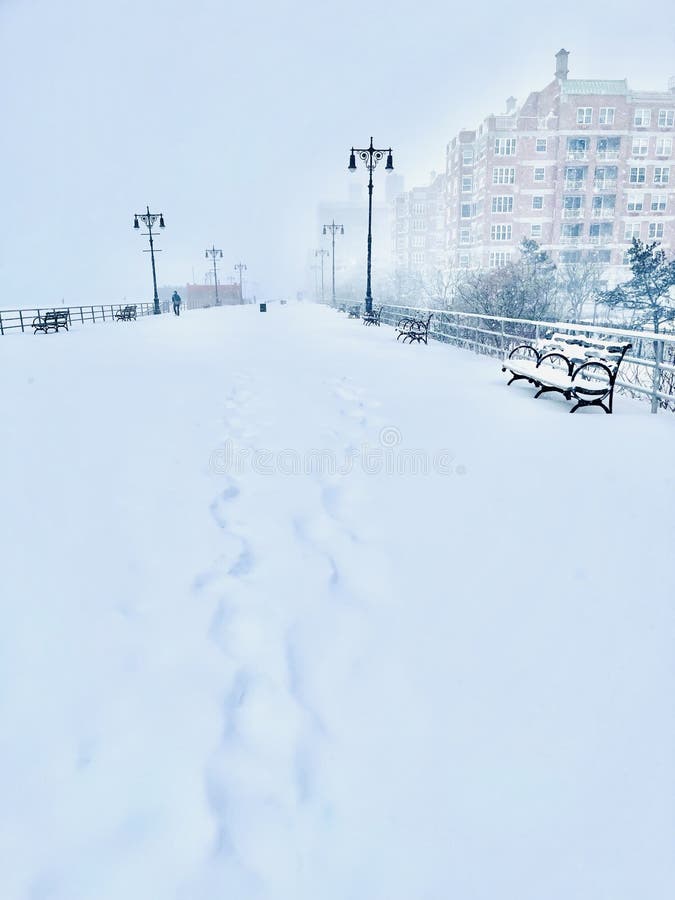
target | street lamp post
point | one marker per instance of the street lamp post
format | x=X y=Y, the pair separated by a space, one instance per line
x=322 y=253
x=371 y=157
x=241 y=267
x=214 y=254
x=149 y=219
x=333 y=230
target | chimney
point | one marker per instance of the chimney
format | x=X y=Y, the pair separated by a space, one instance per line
x=510 y=105
x=561 y=67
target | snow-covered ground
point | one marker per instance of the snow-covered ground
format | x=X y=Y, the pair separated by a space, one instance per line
x=233 y=666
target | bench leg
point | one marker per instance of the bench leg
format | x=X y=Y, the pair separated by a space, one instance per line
x=544 y=389
x=581 y=403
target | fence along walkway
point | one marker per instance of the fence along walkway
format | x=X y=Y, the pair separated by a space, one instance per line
x=22 y=319
x=647 y=373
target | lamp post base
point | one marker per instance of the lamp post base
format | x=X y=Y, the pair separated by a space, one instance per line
x=157 y=311
x=369 y=304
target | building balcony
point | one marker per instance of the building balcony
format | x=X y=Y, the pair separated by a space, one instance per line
x=606 y=185
x=575 y=185
x=596 y=239
x=604 y=155
x=603 y=213
x=573 y=214
x=577 y=154
x=571 y=239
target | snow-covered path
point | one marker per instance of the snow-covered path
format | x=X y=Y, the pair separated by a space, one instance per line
x=248 y=652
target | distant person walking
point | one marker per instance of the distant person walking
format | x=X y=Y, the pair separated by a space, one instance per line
x=175 y=299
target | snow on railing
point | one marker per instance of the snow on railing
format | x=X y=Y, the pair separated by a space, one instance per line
x=648 y=373
x=22 y=319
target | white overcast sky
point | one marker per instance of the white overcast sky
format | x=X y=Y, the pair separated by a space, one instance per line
x=235 y=119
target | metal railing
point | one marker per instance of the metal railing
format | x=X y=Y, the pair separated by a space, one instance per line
x=22 y=319
x=647 y=373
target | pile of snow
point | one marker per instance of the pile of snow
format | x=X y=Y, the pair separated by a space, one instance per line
x=291 y=611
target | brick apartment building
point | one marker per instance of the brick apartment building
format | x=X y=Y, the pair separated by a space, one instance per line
x=581 y=166
x=419 y=236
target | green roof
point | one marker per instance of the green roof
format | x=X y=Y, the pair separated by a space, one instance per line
x=577 y=86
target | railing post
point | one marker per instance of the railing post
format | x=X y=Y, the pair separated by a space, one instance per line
x=656 y=374
x=2 y=329
x=81 y=315
x=503 y=340
x=21 y=320
x=93 y=314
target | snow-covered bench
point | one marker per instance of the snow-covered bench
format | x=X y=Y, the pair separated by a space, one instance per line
x=51 y=321
x=579 y=368
x=126 y=313
x=372 y=317
x=413 y=329
x=354 y=313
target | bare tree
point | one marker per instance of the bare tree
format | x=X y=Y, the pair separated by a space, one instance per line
x=581 y=284
x=525 y=289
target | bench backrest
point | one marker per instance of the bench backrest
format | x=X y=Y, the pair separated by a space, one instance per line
x=579 y=349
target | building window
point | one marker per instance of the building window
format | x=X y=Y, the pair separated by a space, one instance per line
x=505 y=146
x=575 y=178
x=635 y=202
x=600 y=232
x=604 y=206
x=661 y=174
x=659 y=202
x=666 y=118
x=570 y=256
x=418 y=209
x=573 y=207
x=465 y=235
x=467 y=157
x=608 y=147
x=503 y=176
x=640 y=146
x=540 y=174
x=418 y=225
x=466 y=211
x=570 y=234
x=535 y=231
x=606 y=115
x=664 y=146
x=499 y=258
x=642 y=118
x=418 y=241
x=638 y=175
x=537 y=202
x=541 y=145
x=605 y=177
x=655 y=231
x=584 y=115
x=500 y=233
x=502 y=204
x=418 y=258
x=464 y=260
x=577 y=148
x=467 y=184
x=631 y=230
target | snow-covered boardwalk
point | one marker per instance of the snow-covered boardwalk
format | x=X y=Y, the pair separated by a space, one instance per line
x=250 y=649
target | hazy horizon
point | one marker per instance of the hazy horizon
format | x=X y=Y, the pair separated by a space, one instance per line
x=236 y=122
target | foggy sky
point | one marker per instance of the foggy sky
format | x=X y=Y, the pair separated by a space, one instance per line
x=235 y=120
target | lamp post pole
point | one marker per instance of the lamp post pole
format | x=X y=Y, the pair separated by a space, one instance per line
x=149 y=219
x=215 y=254
x=241 y=267
x=322 y=253
x=371 y=156
x=333 y=229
